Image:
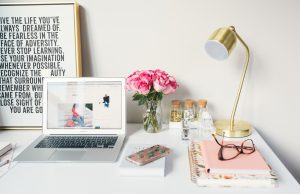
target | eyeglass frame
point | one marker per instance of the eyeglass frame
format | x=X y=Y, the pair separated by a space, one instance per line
x=238 y=148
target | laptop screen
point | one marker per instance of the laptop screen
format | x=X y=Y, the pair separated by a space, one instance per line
x=85 y=105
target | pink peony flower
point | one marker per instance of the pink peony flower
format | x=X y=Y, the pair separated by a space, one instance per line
x=140 y=81
x=163 y=82
x=131 y=81
x=160 y=80
x=171 y=86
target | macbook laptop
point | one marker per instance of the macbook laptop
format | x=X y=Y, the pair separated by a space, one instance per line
x=83 y=121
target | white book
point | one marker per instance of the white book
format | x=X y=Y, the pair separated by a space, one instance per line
x=5 y=147
x=152 y=169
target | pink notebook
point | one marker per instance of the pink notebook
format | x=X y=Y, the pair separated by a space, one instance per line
x=242 y=164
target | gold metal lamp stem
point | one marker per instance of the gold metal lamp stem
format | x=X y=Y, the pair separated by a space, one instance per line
x=242 y=80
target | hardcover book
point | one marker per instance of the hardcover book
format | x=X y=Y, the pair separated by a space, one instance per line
x=243 y=164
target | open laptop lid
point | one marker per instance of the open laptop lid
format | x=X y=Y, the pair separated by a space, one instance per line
x=84 y=106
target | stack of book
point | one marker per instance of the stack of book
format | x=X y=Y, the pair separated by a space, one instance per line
x=243 y=171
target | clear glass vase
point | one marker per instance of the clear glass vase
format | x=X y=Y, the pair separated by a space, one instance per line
x=152 y=118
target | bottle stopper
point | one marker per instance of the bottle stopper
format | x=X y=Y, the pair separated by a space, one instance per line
x=189 y=103
x=202 y=103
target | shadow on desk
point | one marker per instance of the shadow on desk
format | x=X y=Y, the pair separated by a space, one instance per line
x=170 y=163
x=132 y=129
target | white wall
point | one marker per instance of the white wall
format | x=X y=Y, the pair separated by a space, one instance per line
x=120 y=36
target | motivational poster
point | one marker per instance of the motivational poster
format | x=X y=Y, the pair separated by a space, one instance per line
x=36 y=41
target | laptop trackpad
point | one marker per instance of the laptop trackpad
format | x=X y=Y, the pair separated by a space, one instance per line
x=67 y=155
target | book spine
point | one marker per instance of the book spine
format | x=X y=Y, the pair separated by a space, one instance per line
x=192 y=166
x=205 y=157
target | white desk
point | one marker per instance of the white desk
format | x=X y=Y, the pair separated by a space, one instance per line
x=90 y=178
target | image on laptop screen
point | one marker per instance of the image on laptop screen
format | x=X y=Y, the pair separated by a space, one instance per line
x=90 y=105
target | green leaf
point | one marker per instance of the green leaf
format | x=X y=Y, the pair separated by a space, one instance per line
x=142 y=100
x=158 y=96
x=152 y=89
x=137 y=96
x=150 y=96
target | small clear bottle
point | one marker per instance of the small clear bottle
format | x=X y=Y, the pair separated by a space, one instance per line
x=188 y=116
x=176 y=111
x=206 y=125
x=201 y=107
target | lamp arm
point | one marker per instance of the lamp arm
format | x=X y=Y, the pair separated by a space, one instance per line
x=241 y=81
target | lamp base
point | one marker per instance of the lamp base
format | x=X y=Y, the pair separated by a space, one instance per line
x=240 y=128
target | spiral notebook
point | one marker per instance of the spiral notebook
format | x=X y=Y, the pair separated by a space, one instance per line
x=200 y=176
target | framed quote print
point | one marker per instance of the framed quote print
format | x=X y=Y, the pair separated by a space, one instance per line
x=36 y=41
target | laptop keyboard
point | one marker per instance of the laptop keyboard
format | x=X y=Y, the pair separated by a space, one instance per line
x=77 y=142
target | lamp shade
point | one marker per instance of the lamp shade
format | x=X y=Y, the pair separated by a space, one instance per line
x=221 y=43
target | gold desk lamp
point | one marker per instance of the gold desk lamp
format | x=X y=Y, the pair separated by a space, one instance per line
x=219 y=46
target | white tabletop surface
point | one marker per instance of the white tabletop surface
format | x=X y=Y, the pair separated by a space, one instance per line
x=90 y=178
